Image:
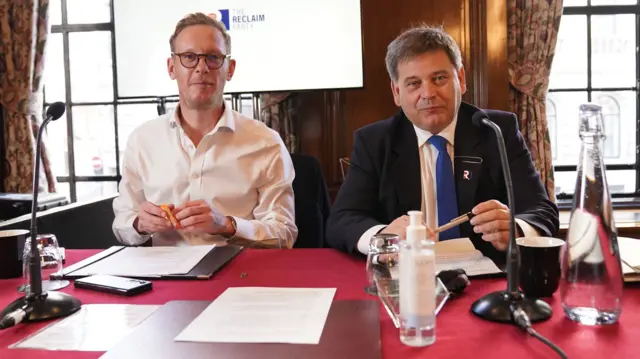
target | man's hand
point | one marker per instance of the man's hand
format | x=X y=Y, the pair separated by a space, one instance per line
x=492 y=220
x=399 y=227
x=152 y=219
x=200 y=216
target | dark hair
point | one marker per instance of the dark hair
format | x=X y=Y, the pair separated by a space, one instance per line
x=418 y=40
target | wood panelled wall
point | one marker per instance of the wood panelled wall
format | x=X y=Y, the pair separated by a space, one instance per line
x=326 y=120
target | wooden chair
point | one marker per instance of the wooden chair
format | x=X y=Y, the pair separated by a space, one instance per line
x=345 y=163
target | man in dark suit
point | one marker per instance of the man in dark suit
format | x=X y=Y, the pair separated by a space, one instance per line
x=430 y=157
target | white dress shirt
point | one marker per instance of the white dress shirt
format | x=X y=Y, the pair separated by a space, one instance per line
x=241 y=167
x=428 y=158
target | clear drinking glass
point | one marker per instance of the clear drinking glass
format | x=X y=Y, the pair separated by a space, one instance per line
x=382 y=260
x=50 y=263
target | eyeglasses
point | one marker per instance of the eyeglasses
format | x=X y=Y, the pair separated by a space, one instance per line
x=191 y=59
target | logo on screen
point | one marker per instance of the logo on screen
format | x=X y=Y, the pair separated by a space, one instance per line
x=238 y=19
x=222 y=16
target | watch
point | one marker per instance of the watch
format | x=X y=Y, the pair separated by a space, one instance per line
x=234 y=225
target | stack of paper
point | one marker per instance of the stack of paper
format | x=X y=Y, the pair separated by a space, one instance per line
x=461 y=254
x=95 y=327
x=148 y=261
x=630 y=256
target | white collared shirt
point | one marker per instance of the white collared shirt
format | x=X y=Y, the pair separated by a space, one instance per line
x=428 y=158
x=241 y=167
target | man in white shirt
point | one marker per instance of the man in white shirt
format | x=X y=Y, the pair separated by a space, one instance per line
x=430 y=157
x=222 y=175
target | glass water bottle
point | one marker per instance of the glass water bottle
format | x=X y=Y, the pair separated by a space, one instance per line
x=592 y=282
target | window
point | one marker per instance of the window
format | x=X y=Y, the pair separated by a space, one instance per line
x=611 y=119
x=86 y=145
x=596 y=61
x=551 y=124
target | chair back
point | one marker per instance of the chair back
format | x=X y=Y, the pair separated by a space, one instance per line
x=311 y=201
x=345 y=163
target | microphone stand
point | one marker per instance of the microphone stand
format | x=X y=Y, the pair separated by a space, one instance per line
x=499 y=306
x=37 y=304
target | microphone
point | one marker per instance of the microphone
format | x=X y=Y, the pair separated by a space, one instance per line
x=39 y=305
x=499 y=306
x=481 y=119
x=161 y=107
x=54 y=112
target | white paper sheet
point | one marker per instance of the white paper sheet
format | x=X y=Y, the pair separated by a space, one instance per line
x=630 y=251
x=95 y=327
x=460 y=253
x=148 y=261
x=262 y=315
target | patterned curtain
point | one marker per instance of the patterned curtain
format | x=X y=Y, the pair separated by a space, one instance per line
x=277 y=110
x=24 y=27
x=532 y=34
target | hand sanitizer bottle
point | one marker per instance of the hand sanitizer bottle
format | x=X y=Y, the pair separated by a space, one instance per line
x=417 y=285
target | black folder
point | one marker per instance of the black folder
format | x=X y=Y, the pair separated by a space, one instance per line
x=352 y=330
x=211 y=263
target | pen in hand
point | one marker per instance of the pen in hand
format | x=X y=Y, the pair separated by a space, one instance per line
x=454 y=222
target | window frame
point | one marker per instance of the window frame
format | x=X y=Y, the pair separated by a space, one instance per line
x=64 y=28
x=589 y=11
x=616 y=147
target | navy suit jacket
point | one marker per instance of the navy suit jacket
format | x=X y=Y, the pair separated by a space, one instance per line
x=384 y=182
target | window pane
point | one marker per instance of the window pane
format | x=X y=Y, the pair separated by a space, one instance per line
x=569 y=68
x=63 y=188
x=129 y=118
x=56 y=140
x=91 y=66
x=94 y=140
x=88 y=191
x=55 y=12
x=246 y=106
x=565 y=182
x=88 y=11
x=613 y=41
x=552 y=116
x=566 y=106
x=54 y=69
x=619 y=117
x=170 y=106
x=619 y=181
x=612 y=2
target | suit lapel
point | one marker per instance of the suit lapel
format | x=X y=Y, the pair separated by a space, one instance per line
x=405 y=168
x=467 y=159
x=405 y=162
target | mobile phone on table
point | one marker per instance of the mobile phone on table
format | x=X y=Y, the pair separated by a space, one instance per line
x=114 y=284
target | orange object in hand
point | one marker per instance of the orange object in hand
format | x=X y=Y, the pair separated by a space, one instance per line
x=172 y=219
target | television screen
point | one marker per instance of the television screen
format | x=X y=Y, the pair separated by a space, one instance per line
x=279 y=45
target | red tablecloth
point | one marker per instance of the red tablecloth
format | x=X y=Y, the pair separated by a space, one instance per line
x=459 y=333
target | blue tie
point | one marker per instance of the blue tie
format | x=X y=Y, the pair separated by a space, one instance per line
x=445 y=188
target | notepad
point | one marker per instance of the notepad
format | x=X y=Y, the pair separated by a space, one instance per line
x=460 y=253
